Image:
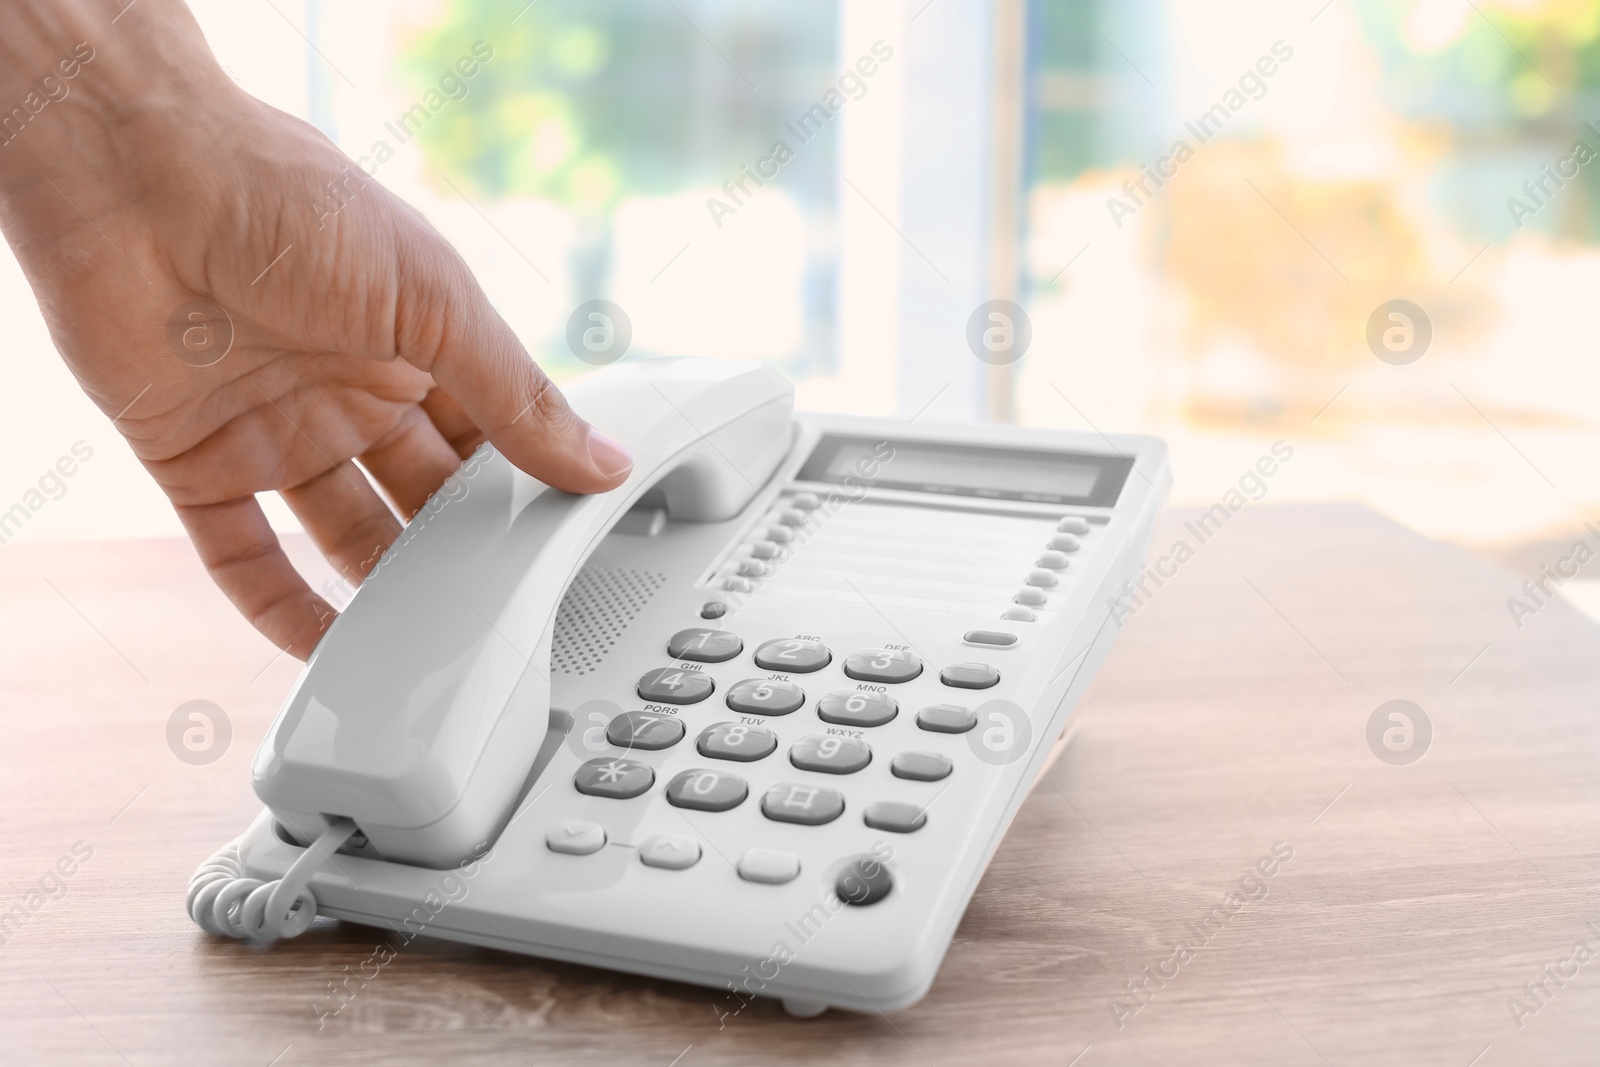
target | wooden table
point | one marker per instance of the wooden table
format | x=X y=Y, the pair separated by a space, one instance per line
x=1231 y=717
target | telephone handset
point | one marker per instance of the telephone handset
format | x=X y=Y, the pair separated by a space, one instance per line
x=424 y=706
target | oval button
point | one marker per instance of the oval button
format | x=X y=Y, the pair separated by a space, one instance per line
x=757 y=696
x=857 y=707
x=793 y=654
x=882 y=665
x=671 y=685
x=704 y=645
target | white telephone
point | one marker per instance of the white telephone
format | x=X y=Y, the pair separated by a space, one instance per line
x=703 y=726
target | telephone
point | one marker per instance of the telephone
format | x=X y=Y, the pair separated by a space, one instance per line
x=757 y=719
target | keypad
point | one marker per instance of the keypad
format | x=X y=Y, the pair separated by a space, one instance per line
x=736 y=741
x=809 y=805
x=644 y=730
x=704 y=646
x=970 y=676
x=793 y=654
x=609 y=776
x=920 y=766
x=705 y=790
x=830 y=753
x=882 y=665
x=946 y=719
x=757 y=696
x=864 y=880
x=1073 y=525
x=674 y=685
x=670 y=851
x=576 y=838
x=895 y=816
x=857 y=707
x=768 y=866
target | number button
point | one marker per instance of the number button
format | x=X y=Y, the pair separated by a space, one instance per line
x=642 y=730
x=882 y=665
x=618 y=779
x=856 y=707
x=736 y=741
x=808 y=805
x=670 y=685
x=793 y=654
x=704 y=646
x=834 y=755
x=705 y=790
x=757 y=697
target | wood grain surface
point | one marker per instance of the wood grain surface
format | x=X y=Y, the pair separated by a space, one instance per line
x=1231 y=718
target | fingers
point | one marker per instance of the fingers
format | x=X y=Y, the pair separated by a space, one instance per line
x=457 y=428
x=412 y=462
x=242 y=555
x=346 y=517
x=446 y=326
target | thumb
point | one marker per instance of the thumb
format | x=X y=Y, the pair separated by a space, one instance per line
x=445 y=325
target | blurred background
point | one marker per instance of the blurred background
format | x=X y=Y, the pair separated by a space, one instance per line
x=1336 y=156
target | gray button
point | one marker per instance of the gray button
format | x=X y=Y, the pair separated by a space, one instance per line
x=857 y=707
x=670 y=851
x=768 y=866
x=1018 y=615
x=738 y=585
x=1030 y=596
x=895 y=816
x=754 y=568
x=805 y=501
x=713 y=609
x=779 y=534
x=608 y=776
x=793 y=654
x=757 y=696
x=882 y=665
x=764 y=550
x=946 y=719
x=673 y=685
x=1064 y=543
x=705 y=790
x=920 y=766
x=996 y=638
x=864 y=880
x=792 y=517
x=703 y=645
x=1073 y=525
x=736 y=741
x=1042 y=578
x=644 y=730
x=835 y=755
x=809 y=805
x=969 y=675
x=1052 y=561
x=576 y=838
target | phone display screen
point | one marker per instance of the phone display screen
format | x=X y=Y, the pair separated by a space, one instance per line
x=992 y=472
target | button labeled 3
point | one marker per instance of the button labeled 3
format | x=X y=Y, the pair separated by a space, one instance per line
x=882 y=665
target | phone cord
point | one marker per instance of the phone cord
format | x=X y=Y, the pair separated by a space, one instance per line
x=222 y=901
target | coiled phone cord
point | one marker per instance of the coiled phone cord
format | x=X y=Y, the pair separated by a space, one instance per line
x=222 y=901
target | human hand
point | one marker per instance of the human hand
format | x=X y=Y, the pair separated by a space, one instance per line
x=359 y=335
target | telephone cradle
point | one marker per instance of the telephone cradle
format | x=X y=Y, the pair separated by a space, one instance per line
x=756 y=720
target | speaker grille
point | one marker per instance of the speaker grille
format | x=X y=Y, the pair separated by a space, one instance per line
x=597 y=608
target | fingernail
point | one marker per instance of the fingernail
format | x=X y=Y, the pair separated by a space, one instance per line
x=609 y=456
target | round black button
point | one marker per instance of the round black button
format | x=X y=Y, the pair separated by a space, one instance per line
x=863 y=881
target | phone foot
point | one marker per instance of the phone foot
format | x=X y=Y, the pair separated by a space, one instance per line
x=801 y=1008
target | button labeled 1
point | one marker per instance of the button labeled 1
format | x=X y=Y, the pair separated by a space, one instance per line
x=704 y=646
